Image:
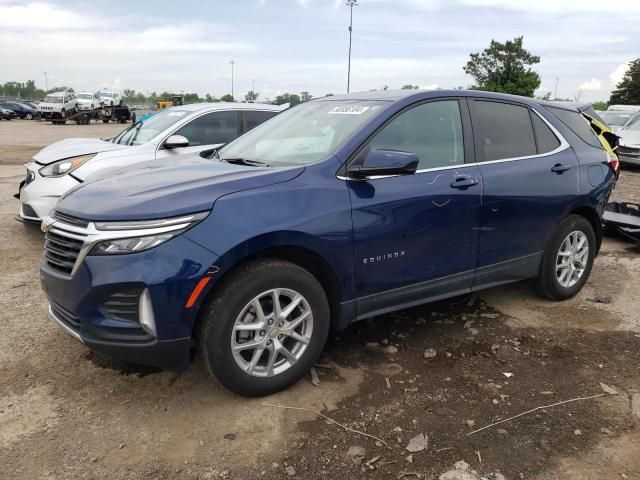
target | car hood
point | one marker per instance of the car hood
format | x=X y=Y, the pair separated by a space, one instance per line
x=629 y=138
x=166 y=191
x=72 y=147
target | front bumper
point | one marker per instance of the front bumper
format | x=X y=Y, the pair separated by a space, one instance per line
x=40 y=195
x=629 y=156
x=166 y=354
x=168 y=272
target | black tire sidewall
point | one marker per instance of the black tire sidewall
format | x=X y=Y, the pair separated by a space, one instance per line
x=235 y=295
x=551 y=284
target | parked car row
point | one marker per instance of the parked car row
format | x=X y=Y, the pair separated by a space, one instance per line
x=21 y=110
x=341 y=208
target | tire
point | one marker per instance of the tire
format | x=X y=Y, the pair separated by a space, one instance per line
x=29 y=116
x=236 y=297
x=560 y=283
x=63 y=114
x=105 y=120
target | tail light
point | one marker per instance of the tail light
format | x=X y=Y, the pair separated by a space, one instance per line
x=614 y=163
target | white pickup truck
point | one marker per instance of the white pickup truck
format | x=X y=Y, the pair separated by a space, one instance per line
x=58 y=105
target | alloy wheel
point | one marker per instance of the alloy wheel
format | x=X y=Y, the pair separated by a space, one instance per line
x=272 y=332
x=572 y=259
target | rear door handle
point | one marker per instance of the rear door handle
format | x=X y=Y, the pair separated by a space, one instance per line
x=464 y=182
x=560 y=167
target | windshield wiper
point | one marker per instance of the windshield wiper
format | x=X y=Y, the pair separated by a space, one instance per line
x=245 y=161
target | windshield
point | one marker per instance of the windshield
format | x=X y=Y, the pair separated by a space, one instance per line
x=140 y=132
x=104 y=94
x=52 y=99
x=616 y=119
x=85 y=96
x=304 y=134
x=634 y=127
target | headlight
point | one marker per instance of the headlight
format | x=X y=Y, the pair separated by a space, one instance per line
x=138 y=236
x=62 y=167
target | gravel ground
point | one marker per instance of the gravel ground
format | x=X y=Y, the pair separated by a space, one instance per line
x=437 y=371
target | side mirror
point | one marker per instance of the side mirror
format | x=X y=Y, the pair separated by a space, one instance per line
x=384 y=162
x=176 y=141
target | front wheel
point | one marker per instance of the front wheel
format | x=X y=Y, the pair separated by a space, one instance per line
x=29 y=116
x=265 y=328
x=568 y=259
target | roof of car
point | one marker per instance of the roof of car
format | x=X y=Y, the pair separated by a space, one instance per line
x=195 y=107
x=398 y=95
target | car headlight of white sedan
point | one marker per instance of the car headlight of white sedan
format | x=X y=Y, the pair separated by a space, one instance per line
x=62 y=167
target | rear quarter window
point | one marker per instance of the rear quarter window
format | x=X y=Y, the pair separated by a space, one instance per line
x=546 y=139
x=578 y=125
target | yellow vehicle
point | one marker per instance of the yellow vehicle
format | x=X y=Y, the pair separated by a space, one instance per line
x=174 y=101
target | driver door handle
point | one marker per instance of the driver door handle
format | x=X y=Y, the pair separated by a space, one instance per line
x=560 y=167
x=464 y=182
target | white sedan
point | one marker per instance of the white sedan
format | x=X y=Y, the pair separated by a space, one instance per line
x=173 y=135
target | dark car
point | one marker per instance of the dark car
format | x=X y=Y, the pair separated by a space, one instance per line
x=21 y=110
x=339 y=209
x=6 y=114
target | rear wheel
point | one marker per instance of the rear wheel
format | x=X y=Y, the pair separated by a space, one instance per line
x=568 y=259
x=265 y=328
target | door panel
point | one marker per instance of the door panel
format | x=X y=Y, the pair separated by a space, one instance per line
x=523 y=198
x=415 y=236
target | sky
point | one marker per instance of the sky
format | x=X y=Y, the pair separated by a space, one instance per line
x=301 y=45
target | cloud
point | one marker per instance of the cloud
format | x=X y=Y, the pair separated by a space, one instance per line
x=591 y=85
x=615 y=77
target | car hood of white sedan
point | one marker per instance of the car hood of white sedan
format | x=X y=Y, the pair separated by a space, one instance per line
x=630 y=138
x=72 y=147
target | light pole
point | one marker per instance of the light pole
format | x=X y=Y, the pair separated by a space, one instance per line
x=555 y=95
x=350 y=4
x=46 y=83
x=232 y=62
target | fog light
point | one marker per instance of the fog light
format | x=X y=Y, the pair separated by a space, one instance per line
x=147 y=319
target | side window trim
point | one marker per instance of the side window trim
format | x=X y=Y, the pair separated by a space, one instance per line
x=477 y=129
x=467 y=138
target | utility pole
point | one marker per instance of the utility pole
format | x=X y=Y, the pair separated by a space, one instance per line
x=46 y=83
x=232 y=64
x=350 y=4
x=555 y=95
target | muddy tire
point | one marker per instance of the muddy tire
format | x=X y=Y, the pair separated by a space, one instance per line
x=265 y=327
x=568 y=259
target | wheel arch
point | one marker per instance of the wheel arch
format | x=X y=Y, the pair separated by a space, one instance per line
x=591 y=215
x=303 y=256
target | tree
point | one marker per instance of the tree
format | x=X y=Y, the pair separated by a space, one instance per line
x=291 y=99
x=601 y=106
x=305 y=96
x=410 y=87
x=505 y=68
x=251 y=96
x=227 y=98
x=211 y=99
x=627 y=92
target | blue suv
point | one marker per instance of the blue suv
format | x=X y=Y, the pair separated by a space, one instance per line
x=339 y=209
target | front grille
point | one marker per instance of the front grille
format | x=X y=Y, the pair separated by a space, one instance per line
x=70 y=220
x=61 y=252
x=122 y=305
x=65 y=315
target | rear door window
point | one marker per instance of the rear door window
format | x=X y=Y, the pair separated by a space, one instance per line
x=211 y=129
x=505 y=129
x=545 y=138
x=578 y=125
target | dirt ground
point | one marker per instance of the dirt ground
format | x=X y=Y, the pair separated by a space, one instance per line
x=67 y=413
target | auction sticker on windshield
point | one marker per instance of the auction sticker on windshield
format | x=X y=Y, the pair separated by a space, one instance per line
x=349 y=110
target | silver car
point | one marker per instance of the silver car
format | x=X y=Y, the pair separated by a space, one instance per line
x=173 y=135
